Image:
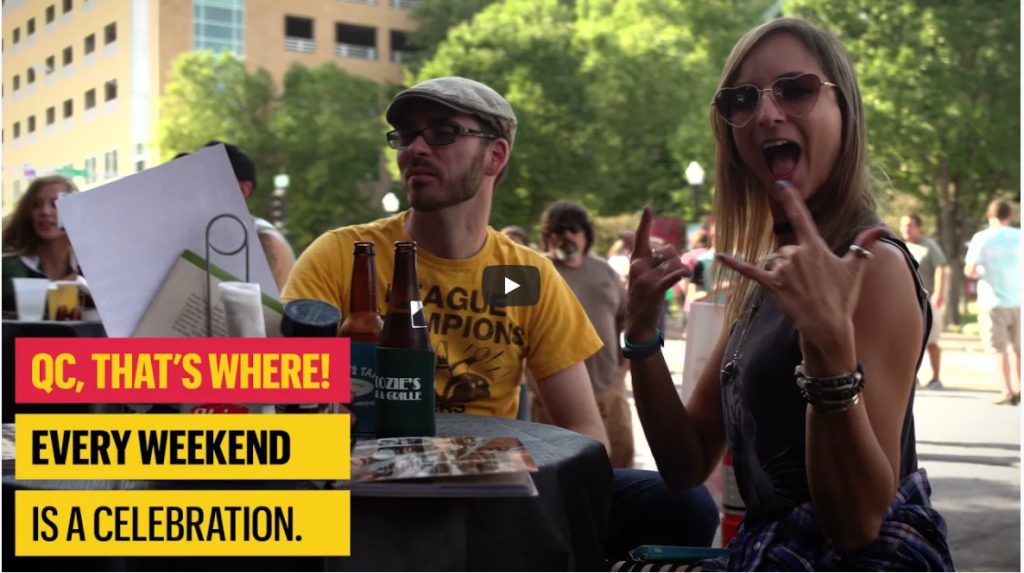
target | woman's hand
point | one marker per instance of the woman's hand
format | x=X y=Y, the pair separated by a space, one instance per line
x=651 y=273
x=815 y=289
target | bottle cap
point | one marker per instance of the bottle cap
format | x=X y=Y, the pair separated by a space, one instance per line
x=310 y=318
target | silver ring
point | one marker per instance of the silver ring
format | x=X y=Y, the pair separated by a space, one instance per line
x=656 y=257
x=769 y=260
x=861 y=252
x=664 y=267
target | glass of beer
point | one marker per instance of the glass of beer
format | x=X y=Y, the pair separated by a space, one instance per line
x=62 y=301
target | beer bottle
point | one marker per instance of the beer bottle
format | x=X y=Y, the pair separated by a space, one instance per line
x=308 y=318
x=405 y=358
x=362 y=326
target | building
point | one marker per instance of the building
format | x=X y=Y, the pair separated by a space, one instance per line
x=82 y=78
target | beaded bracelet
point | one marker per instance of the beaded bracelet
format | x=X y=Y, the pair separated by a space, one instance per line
x=831 y=393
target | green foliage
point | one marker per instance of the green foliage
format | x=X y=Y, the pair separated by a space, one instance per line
x=324 y=130
x=612 y=96
x=433 y=20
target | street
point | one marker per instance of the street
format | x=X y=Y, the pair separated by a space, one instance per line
x=969 y=446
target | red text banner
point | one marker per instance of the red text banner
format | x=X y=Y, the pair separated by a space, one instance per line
x=181 y=370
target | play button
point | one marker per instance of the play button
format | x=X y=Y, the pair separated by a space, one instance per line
x=511 y=285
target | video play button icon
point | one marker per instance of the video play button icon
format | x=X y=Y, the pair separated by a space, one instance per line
x=511 y=285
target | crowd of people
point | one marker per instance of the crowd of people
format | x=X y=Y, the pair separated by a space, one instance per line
x=829 y=314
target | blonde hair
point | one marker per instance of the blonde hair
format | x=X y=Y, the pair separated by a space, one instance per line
x=843 y=205
x=19 y=237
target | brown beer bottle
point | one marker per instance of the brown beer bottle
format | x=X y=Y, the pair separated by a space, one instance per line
x=405 y=358
x=363 y=326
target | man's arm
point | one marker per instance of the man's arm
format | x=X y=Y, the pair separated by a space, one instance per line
x=941 y=277
x=569 y=399
x=279 y=256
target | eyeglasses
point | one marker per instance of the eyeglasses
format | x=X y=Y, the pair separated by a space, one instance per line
x=571 y=227
x=795 y=95
x=434 y=135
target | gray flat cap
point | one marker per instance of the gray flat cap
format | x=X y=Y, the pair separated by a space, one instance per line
x=463 y=95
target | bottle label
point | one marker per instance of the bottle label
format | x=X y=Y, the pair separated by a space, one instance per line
x=364 y=405
x=405 y=392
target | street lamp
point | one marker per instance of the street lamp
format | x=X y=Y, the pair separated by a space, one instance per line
x=695 y=177
x=278 y=214
x=390 y=202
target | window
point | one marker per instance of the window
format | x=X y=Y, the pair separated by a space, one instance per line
x=355 y=42
x=51 y=65
x=90 y=169
x=17 y=129
x=69 y=108
x=400 y=47
x=298 y=27
x=17 y=35
x=110 y=164
x=51 y=13
x=51 y=115
x=68 y=4
x=110 y=33
x=30 y=27
x=90 y=99
x=218 y=25
x=17 y=82
x=90 y=44
x=68 y=56
x=31 y=124
x=30 y=76
x=110 y=90
x=140 y=165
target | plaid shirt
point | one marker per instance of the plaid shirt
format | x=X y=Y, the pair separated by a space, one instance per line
x=912 y=538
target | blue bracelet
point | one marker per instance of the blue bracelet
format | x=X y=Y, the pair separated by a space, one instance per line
x=658 y=340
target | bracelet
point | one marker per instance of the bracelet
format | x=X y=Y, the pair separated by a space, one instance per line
x=831 y=393
x=658 y=340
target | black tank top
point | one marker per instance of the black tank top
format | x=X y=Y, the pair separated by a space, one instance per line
x=764 y=413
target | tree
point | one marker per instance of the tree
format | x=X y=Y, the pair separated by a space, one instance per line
x=324 y=131
x=328 y=132
x=433 y=21
x=212 y=96
x=941 y=86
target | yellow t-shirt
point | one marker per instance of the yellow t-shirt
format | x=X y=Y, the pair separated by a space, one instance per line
x=480 y=348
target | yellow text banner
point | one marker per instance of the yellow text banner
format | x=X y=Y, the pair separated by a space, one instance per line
x=182 y=446
x=182 y=523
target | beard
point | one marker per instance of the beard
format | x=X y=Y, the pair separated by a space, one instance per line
x=567 y=251
x=461 y=189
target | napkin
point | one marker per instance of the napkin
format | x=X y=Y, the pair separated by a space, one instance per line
x=243 y=309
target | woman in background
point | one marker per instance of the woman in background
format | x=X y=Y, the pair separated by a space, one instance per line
x=34 y=244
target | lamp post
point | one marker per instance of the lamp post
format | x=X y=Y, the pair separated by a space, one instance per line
x=695 y=177
x=278 y=214
x=390 y=202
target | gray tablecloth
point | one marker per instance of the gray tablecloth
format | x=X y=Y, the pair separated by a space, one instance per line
x=562 y=529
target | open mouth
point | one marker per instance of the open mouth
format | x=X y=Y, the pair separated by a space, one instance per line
x=781 y=156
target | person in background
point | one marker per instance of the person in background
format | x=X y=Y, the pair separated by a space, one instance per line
x=517 y=234
x=567 y=236
x=280 y=255
x=811 y=385
x=34 y=243
x=618 y=254
x=454 y=137
x=993 y=257
x=934 y=271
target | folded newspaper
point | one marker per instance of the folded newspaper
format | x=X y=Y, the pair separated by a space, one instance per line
x=441 y=467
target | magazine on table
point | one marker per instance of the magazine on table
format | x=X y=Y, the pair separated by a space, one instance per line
x=441 y=467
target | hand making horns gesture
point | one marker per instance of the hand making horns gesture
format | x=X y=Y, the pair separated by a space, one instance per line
x=815 y=289
x=651 y=273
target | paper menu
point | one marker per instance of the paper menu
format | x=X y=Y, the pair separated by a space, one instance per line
x=127 y=234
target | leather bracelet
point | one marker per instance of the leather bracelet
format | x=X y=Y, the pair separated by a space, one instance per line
x=830 y=393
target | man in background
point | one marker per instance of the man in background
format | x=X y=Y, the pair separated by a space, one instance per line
x=934 y=271
x=993 y=258
x=567 y=236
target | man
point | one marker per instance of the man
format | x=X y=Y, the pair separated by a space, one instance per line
x=454 y=137
x=934 y=271
x=993 y=257
x=279 y=253
x=567 y=236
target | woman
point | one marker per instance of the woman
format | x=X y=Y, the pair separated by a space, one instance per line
x=811 y=387
x=35 y=246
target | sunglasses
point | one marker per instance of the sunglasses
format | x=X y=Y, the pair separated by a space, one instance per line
x=434 y=135
x=571 y=227
x=796 y=96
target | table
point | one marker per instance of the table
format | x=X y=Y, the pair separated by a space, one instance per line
x=562 y=529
